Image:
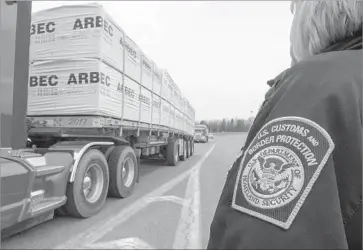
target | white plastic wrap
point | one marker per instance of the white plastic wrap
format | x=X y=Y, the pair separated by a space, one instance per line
x=181 y=102
x=145 y=99
x=132 y=59
x=181 y=122
x=77 y=31
x=176 y=95
x=172 y=96
x=156 y=101
x=189 y=111
x=191 y=125
x=172 y=117
x=178 y=119
x=185 y=123
x=184 y=116
x=177 y=99
x=165 y=85
x=156 y=80
x=132 y=100
x=79 y=56
x=74 y=87
x=183 y=105
x=165 y=113
x=90 y=87
x=147 y=73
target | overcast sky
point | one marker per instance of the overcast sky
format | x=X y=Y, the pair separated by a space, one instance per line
x=219 y=53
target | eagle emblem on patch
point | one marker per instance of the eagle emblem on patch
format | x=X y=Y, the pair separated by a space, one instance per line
x=279 y=168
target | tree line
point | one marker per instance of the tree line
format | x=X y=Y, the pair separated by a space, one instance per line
x=228 y=125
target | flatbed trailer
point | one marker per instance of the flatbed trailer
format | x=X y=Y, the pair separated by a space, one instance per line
x=122 y=145
x=148 y=141
x=76 y=161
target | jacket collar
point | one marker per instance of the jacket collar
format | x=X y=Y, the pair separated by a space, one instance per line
x=273 y=84
x=353 y=42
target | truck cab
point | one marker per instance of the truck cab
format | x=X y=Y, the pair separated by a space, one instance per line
x=201 y=133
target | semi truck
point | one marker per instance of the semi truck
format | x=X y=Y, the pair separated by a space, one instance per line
x=82 y=147
x=201 y=133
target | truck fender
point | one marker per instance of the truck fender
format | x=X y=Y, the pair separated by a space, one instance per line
x=79 y=153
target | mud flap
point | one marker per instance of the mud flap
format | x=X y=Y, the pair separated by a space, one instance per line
x=138 y=156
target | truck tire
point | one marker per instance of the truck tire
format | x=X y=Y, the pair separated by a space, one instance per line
x=123 y=166
x=191 y=147
x=188 y=148
x=183 y=157
x=172 y=154
x=107 y=151
x=87 y=194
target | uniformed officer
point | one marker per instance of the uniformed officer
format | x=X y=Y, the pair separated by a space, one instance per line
x=298 y=181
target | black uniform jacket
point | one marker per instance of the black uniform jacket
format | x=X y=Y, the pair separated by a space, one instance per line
x=297 y=183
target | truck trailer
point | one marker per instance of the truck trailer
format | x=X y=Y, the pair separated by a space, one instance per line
x=90 y=114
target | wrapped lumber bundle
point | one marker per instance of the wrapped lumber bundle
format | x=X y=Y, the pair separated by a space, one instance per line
x=84 y=64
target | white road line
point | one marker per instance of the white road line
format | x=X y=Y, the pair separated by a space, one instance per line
x=127 y=243
x=181 y=235
x=171 y=198
x=195 y=232
x=188 y=231
x=98 y=231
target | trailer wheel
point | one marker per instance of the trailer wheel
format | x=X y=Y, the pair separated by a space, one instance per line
x=87 y=194
x=123 y=167
x=188 y=148
x=183 y=157
x=172 y=154
x=107 y=151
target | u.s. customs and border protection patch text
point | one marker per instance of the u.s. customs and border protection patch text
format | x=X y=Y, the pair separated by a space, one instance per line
x=279 y=169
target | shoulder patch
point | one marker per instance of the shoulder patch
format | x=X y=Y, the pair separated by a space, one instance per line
x=279 y=168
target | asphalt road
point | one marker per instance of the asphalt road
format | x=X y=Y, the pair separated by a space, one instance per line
x=172 y=207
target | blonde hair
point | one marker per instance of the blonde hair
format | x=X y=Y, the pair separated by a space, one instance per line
x=319 y=23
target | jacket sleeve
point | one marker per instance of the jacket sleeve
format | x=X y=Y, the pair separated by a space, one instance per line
x=283 y=192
